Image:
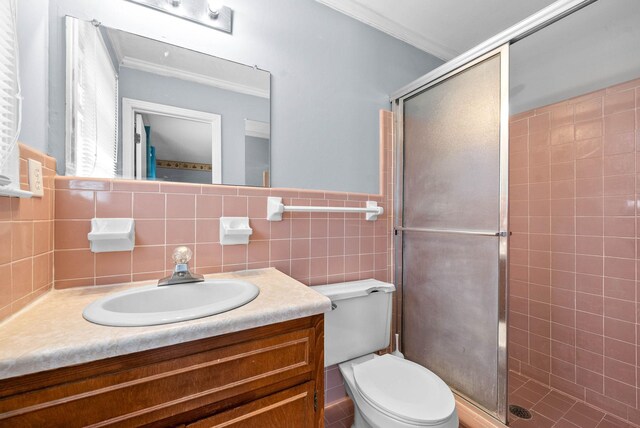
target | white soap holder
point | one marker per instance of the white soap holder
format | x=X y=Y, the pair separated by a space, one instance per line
x=234 y=230
x=112 y=234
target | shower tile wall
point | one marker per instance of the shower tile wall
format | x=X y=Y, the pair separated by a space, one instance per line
x=574 y=302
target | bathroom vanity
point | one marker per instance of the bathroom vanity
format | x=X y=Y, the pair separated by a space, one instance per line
x=258 y=365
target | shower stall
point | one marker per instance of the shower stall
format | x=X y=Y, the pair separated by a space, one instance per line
x=454 y=228
x=515 y=218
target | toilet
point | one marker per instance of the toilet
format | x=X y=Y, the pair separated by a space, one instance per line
x=387 y=391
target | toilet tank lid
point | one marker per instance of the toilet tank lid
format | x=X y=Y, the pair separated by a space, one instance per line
x=348 y=290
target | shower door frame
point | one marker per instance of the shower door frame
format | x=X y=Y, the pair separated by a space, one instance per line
x=530 y=25
x=503 y=223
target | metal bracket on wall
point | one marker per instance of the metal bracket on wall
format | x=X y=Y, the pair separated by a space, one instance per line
x=210 y=13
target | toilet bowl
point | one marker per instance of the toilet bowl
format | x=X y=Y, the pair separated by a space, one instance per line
x=392 y=392
x=387 y=391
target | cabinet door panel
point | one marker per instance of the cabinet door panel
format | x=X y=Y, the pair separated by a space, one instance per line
x=193 y=379
x=292 y=408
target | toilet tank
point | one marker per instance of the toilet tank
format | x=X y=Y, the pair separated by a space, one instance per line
x=360 y=322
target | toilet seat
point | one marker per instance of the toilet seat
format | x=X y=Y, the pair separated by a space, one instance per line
x=404 y=390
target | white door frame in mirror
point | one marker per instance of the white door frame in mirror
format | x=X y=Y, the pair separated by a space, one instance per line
x=258 y=129
x=131 y=106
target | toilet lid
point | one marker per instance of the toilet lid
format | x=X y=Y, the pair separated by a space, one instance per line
x=404 y=390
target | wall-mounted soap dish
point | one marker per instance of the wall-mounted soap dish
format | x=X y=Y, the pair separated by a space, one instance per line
x=234 y=230
x=112 y=234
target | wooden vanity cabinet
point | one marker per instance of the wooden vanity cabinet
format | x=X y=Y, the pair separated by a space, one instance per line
x=271 y=376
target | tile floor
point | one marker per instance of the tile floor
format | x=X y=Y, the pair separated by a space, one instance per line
x=339 y=414
x=551 y=408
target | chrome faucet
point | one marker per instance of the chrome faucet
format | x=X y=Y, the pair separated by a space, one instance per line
x=181 y=273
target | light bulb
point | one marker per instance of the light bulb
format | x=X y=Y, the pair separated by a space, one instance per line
x=215 y=6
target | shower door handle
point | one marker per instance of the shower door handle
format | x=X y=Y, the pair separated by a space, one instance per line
x=502 y=233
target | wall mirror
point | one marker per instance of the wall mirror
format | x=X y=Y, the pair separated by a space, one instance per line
x=144 y=109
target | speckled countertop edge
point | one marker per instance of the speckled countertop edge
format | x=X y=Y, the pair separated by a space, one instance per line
x=51 y=333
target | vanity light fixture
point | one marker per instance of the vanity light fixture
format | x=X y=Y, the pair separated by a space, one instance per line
x=211 y=13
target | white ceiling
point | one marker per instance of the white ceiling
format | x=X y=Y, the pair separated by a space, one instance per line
x=444 y=28
x=154 y=56
x=180 y=139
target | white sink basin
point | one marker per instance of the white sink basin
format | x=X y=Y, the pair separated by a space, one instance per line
x=154 y=305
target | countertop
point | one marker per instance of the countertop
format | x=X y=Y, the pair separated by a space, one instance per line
x=52 y=333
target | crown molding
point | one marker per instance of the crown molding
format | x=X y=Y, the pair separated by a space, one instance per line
x=257 y=129
x=163 y=70
x=115 y=44
x=374 y=19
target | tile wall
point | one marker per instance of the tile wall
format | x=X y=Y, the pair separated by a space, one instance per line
x=339 y=408
x=314 y=248
x=574 y=302
x=42 y=243
x=26 y=240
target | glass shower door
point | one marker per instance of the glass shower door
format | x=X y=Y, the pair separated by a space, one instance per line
x=453 y=214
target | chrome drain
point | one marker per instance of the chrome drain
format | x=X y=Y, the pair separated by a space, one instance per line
x=519 y=411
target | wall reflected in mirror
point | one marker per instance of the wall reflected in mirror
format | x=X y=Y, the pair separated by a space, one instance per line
x=257 y=153
x=143 y=109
